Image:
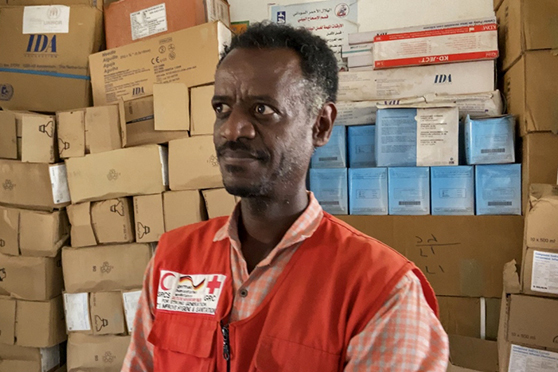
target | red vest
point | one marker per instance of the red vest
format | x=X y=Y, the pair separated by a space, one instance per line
x=331 y=288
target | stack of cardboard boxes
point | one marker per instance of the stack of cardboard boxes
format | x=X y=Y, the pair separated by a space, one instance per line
x=422 y=140
x=33 y=228
x=528 y=334
x=140 y=162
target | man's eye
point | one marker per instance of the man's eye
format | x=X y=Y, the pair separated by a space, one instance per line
x=221 y=108
x=264 y=109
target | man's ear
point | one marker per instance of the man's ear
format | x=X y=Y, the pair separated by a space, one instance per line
x=323 y=125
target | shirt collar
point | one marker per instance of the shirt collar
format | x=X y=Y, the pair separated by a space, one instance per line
x=305 y=225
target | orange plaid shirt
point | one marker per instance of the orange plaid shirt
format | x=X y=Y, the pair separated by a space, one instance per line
x=404 y=335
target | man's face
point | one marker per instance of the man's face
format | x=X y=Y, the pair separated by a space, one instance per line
x=263 y=126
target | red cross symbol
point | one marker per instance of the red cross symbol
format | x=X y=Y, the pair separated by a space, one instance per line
x=214 y=284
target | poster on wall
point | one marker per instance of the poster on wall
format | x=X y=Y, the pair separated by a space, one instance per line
x=333 y=20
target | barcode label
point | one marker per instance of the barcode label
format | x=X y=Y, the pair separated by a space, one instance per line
x=330 y=203
x=492 y=151
x=409 y=203
x=328 y=159
x=500 y=204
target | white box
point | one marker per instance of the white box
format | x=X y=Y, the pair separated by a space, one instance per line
x=478 y=105
x=364 y=112
x=417 y=81
x=368 y=194
x=417 y=136
x=334 y=153
x=331 y=189
x=434 y=44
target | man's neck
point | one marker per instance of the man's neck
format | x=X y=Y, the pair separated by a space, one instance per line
x=264 y=222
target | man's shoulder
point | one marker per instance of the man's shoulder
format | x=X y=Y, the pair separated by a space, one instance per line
x=354 y=241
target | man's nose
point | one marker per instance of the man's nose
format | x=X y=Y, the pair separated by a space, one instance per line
x=237 y=125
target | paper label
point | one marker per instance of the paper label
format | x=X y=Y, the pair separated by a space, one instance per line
x=50 y=358
x=437 y=131
x=59 y=183
x=46 y=19
x=149 y=21
x=131 y=300
x=526 y=359
x=545 y=272
x=76 y=307
x=189 y=293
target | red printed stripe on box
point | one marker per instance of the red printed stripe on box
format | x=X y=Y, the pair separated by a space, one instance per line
x=436 y=59
x=438 y=32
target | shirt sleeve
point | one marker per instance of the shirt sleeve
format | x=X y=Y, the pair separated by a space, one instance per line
x=139 y=357
x=404 y=336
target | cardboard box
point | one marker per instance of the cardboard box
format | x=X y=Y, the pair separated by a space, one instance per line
x=364 y=112
x=202 y=114
x=38 y=138
x=193 y=164
x=409 y=190
x=82 y=234
x=149 y=218
x=524 y=26
x=171 y=109
x=451 y=250
x=421 y=136
x=31 y=323
x=118 y=173
x=539 y=272
x=30 y=359
x=32 y=233
x=531 y=321
x=129 y=21
x=93 y=3
x=470 y=316
x=330 y=187
x=334 y=153
x=218 y=202
x=368 y=191
x=45 y=66
x=540 y=161
x=100 y=313
x=114 y=77
x=490 y=140
x=9 y=139
x=453 y=78
x=96 y=353
x=497 y=4
x=358 y=55
x=37 y=186
x=183 y=208
x=434 y=44
x=361 y=141
x=88 y=131
x=113 y=221
x=469 y=354
x=71 y=133
x=138 y=125
x=477 y=105
x=452 y=190
x=528 y=87
x=105 y=268
x=31 y=278
x=498 y=189
x=541 y=220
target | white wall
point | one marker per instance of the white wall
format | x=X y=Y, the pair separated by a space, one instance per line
x=375 y=15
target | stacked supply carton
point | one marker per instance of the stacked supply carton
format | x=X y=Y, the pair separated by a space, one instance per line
x=33 y=228
x=527 y=334
x=424 y=98
x=530 y=67
x=45 y=49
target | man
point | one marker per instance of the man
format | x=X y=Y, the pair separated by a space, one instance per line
x=280 y=285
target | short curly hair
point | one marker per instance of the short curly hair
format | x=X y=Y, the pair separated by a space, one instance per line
x=317 y=61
